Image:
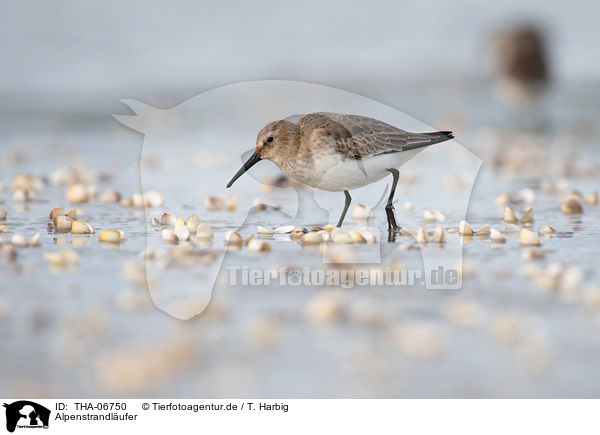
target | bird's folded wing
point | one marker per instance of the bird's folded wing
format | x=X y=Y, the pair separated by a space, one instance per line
x=356 y=136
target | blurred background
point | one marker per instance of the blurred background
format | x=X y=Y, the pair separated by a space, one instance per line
x=517 y=80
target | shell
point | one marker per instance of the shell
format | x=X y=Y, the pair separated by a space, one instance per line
x=439 y=235
x=55 y=212
x=484 y=230
x=497 y=236
x=19 y=241
x=257 y=245
x=263 y=230
x=64 y=258
x=126 y=202
x=182 y=231
x=77 y=193
x=533 y=254
x=233 y=238
x=168 y=219
x=465 y=229
x=361 y=212
x=571 y=206
x=72 y=214
x=452 y=230
x=428 y=216
x=357 y=237
x=511 y=228
x=528 y=216
x=329 y=228
x=547 y=230
x=408 y=206
x=154 y=199
x=592 y=198
x=35 y=240
x=81 y=227
x=110 y=196
x=316 y=229
x=138 y=200
x=169 y=236
x=529 y=238
x=214 y=203
x=439 y=216
x=286 y=229
x=3 y=213
x=204 y=232
x=231 y=204
x=341 y=236
x=111 y=236
x=62 y=224
x=193 y=222
x=155 y=222
x=422 y=236
x=312 y=238
x=4 y=229
x=509 y=214
x=369 y=236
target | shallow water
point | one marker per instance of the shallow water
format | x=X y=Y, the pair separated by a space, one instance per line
x=93 y=330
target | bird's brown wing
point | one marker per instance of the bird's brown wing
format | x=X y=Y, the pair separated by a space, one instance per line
x=360 y=136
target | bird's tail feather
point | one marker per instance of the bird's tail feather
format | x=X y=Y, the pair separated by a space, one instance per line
x=420 y=140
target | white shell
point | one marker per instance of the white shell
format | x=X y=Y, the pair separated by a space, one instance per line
x=529 y=238
x=312 y=238
x=204 y=232
x=263 y=230
x=258 y=245
x=19 y=241
x=168 y=219
x=509 y=214
x=77 y=193
x=35 y=240
x=439 y=235
x=528 y=216
x=361 y=212
x=233 y=238
x=182 y=232
x=169 y=236
x=465 y=229
x=484 y=230
x=422 y=236
x=284 y=230
x=497 y=236
x=341 y=236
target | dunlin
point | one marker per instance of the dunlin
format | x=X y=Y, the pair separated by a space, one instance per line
x=335 y=152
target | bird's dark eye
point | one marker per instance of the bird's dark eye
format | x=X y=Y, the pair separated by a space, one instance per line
x=270 y=139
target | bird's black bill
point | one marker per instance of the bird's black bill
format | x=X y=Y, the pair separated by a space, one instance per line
x=253 y=160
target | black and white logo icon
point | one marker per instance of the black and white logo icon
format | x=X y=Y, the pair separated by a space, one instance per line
x=25 y=414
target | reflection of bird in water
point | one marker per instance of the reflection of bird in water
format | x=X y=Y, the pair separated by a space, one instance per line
x=522 y=64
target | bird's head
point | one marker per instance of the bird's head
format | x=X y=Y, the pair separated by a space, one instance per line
x=274 y=143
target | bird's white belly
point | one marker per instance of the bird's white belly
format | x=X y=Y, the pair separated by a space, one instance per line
x=336 y=173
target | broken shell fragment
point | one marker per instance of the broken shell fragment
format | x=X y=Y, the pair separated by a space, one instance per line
x=214 y=203
x=547 y=230
x=257 y=245
x=509 y=214
x=3 y=213
x=497 y=236
x=298 y=232
x=35 y=240
x=55 y=212
x=204 y=232
x=422 y=236
x=484 y=230
x=312 y=238
x=231 y=204
x=62 y=224
x=571 y=206
x=528 y=216
x=111 y=236
x=439 y=235
x=233 y=238
x=110 y=196
x=529 y=238
x=77 y=193
x=81 y=227
x=284 y=230
x=369 y=236
x=361 y=212
x=168 y=219
x=465 y=229
x=19 y=241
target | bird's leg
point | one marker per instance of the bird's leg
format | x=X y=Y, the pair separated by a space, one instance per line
x=389 y=208
x=346 y=205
